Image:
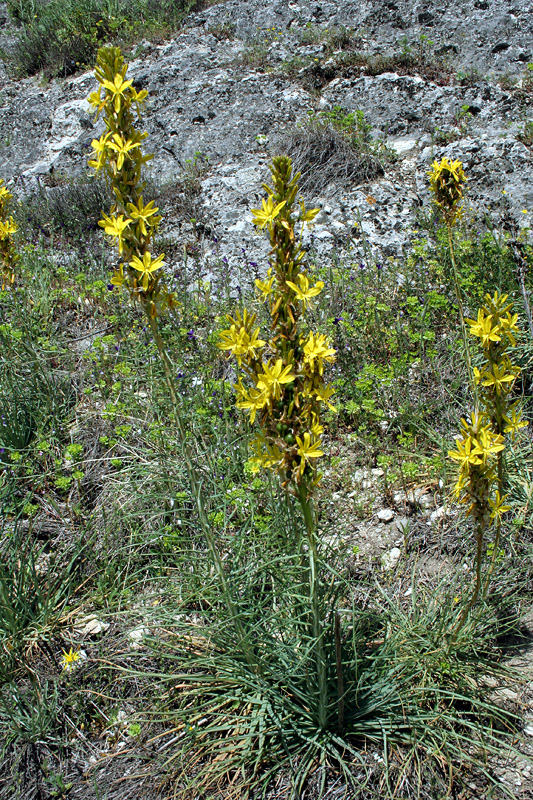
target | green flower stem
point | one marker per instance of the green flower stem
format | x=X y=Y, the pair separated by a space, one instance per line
x=497 y=537
x=473 y=600
x=196 y=487
x=317 y=626
x=461 y=315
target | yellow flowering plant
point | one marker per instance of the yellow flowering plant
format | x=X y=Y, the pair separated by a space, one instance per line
x=447 y=181
x=480 y=447
x=131 y=224
x=8 y=227
x=282 y=380
x=281 y=383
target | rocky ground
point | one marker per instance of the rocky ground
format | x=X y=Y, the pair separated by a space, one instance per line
x=231 y=87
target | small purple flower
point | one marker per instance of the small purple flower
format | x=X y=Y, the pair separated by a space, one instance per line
x=180 y=375
x=190 y=335
x=337 y=320
x=110 y=287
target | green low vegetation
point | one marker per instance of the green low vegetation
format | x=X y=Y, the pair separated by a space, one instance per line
x=185 y=608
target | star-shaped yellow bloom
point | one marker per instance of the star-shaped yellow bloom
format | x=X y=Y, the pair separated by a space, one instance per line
x=317 y=349
x=303 y=292
x=240 y=342
x=498 y=507
x=147 y=267
x=273 y=377
x=514 y=421
x=116 y=88
x=266 y=287
x=119 y=279
x=467 y=453
x=115 y=227
x=142 y=214
x=308 y=449
x=122 y=148
x=267 y=213
x=7 y=227
x=253 y=401
x=68 y=660
x=99 y=146
x=484 y=328
x=501 y=376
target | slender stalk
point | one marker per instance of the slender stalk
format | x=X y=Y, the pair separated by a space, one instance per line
x=317 y=626
x=477 y=587
x=196 y=486
x=461 y=314
x=494 y=556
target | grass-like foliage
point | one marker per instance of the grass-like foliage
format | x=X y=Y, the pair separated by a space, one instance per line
x=61 y=36
x=335 y=147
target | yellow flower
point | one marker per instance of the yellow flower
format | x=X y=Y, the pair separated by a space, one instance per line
x=498 y=508
x=116 y=88
x=141 y=214
x=303 y=292
x=514 y=421
x=467 y=453
x=7 y=228
x=265 y=287
x=323 y=393
x=273 y=377
x=115 y=227
x=307 y=450
x=501 y=374
x=446 y=179
x=488 y=443
x=68 y=660
x=267 y=213
x=119 y=279
x=147 y=267
x=122 y=148
x=253 y=401
x=99 y=146
x=484 y=329
x=240 y=342
x=317 y=349
x=4 y=194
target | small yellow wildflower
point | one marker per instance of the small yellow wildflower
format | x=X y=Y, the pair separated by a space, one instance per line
x=483 y=328
x=68 y=660
x=266 y=287
x=117 y=88
x=498 y=507
x=142 y=214
x=317 y=349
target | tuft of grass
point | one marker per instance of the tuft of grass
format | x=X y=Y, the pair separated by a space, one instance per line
x=335 y=148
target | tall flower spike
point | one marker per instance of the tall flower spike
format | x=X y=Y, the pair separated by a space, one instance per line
x=282 y=384
x=131 y=223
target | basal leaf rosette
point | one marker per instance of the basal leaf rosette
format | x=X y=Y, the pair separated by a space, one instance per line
x=131 y=223
x=282 y=385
